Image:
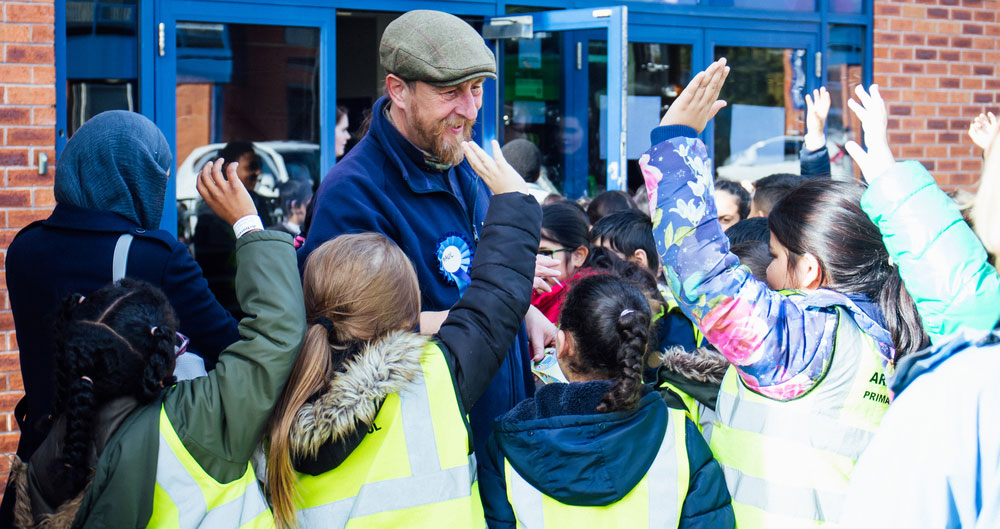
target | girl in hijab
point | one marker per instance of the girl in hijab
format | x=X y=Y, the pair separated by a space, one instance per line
x=110 y=187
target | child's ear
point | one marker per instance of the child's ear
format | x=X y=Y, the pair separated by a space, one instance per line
x=808 y=272
x=579 y=256
x=639 y=258
x=563 y=345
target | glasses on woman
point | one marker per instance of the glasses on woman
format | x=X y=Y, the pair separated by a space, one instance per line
x=551 y=253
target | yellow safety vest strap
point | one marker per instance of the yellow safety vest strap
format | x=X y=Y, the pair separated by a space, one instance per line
x=187 y=497
x=428 y=482
x=666 y=484
x=811 y=429
x=781 y=500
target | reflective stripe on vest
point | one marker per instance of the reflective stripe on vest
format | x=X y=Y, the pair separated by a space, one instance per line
x=655 y=501
x=413 y=469
x=788 y=464
x=185 y=496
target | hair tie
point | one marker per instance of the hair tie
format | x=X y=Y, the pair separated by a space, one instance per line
x=87 y=379
x=625 y=313
x=152 y=331
x=325 y=322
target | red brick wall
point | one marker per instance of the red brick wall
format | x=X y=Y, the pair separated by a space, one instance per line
x=27 y=127
x=938 y=64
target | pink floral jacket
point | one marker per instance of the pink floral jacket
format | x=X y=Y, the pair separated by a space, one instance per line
x=780 y=344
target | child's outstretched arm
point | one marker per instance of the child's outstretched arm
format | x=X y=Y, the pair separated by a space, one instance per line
x=814 y=159
x=943 y=265
x=482 y=325
x=220 y=417
x=779 y=348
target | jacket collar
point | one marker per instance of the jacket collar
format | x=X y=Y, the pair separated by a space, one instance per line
x=76 y=218
x=353 y=397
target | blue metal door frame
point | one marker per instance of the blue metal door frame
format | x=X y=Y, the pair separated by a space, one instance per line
x=160 y=104
x=610 y=23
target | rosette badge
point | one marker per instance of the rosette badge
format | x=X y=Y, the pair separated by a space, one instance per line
x=454 y=258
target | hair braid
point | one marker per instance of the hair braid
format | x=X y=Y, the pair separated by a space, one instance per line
x=633 y=329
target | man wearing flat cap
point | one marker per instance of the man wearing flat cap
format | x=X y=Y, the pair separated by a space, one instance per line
x=407 y=179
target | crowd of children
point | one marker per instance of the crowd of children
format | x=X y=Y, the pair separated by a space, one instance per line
x=828 y=365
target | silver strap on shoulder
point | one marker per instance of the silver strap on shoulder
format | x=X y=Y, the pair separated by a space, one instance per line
x=120 y=261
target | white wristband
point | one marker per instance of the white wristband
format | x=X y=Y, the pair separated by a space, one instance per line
x=247 y=224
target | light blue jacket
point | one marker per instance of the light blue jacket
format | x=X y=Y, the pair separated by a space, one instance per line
x=942 y=263
x=935 y=461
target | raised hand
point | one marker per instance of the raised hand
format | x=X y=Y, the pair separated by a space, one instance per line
x=817 y=109
x=699 y=102
x=496 y=172
x=871 y=111
x=227 y=197
x=982 y=129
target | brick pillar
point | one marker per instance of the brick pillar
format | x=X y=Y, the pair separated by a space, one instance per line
x=27 y=128
x=937 y=62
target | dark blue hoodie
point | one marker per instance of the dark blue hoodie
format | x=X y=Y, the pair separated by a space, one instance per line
x=571 y=453
x=384 y=185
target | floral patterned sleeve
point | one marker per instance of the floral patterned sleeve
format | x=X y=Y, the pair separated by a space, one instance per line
x=779 y=347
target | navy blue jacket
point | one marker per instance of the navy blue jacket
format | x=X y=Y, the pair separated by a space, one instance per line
x=573 y=454
x=72 y=252
x=384 y=185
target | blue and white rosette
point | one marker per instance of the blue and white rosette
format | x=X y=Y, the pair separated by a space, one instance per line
x=454 y=258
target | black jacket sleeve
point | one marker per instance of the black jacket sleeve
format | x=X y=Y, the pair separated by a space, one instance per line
x=481 y=326
x=708 y=504
x=814 y=164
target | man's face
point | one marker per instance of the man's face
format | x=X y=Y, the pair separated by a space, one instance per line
x=441 y=118
x=248 y=170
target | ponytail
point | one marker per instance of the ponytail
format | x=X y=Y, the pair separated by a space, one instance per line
x=311 y=372
x=608 y=319
x=357 y=288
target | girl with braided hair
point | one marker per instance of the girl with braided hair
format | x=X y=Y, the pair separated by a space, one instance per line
x=603 y=450
x=131 y=446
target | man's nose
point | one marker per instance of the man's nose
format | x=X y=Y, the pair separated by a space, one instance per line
x=467 y=107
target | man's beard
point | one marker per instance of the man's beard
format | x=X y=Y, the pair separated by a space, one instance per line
x=444 y=145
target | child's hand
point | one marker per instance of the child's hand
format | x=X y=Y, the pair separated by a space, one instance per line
x=226 y=196
x=817 y=109
x=496 y=172
x=871 y=111
x=699 y=102
x=545 y=272
x=982 y=129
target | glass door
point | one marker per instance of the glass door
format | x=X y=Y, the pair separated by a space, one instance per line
x=227 y=72
x=760 y=132
x=563 y=88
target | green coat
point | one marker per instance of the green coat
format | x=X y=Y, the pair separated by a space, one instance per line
x=220 y=418
x=943 y=265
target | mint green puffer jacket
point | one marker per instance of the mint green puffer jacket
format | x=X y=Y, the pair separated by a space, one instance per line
x=943 y=265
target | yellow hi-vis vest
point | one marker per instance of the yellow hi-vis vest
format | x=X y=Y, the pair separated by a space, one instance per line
x=654 y=502
x=788 y=463
x=414 y=468
x=186 y=497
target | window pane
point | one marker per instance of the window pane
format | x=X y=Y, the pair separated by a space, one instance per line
x=846 y=6
x=845 y=70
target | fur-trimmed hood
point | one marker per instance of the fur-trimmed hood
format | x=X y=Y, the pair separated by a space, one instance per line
x=329 y=427
x=698 y=372
x=703 y=364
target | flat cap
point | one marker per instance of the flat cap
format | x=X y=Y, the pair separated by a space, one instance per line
x=436 y=48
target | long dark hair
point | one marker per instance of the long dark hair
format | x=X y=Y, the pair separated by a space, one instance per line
x=608 y=319
x=824 y=218
x=116 y=342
